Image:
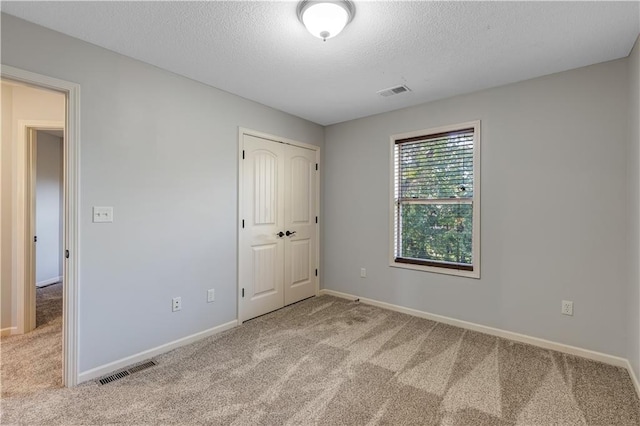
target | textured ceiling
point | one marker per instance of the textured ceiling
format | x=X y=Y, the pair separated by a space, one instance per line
x=260 y=51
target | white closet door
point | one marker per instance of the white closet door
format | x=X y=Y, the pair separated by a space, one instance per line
x=300 y=223
x=278 y=243
x=262 y=250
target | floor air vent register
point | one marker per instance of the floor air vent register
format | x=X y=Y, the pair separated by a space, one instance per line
x=124 y=373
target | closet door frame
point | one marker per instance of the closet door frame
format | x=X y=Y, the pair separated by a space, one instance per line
x=240 y=207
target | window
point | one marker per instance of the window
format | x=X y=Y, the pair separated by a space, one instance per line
x=436 y=200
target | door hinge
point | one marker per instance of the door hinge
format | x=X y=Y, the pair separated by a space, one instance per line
x=35 y=238
x=242 y=223
x=243 y=154
x=316 y=272
x=316 y=166
x=316 y=219
x=243 y=292
x=66 y=254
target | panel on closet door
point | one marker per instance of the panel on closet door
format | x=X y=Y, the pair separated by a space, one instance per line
x=265 y=197
x=301 y=191
x=301 y=253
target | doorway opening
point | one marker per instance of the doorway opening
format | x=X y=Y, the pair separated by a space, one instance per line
x=33 y=131
x=39 y=163
x=47 y=212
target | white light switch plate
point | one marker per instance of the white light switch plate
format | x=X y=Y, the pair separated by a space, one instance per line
x=102 y=214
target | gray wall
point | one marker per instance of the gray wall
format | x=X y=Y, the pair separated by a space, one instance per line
x=553 y=209
x=162 y=150
x=633 y=168
x=48 y=208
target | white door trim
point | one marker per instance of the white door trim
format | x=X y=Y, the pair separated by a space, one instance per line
x=72 y=207
x=244 y=131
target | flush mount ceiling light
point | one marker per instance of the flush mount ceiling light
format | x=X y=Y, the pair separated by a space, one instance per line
x=325 y=19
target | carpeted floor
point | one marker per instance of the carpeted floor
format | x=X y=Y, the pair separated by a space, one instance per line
x=33 y=361
x=331 y=361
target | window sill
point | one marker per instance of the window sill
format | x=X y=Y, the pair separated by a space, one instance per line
x=434 y=269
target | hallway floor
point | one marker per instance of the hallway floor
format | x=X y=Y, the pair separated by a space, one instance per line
x=33 y=362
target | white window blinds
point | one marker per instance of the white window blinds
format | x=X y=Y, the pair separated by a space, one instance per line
x=434 y=193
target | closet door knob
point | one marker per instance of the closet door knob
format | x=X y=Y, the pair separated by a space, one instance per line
x=290 y=233
x=281 y=234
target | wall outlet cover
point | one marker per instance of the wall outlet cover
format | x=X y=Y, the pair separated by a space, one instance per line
x=102 y=214
x=176 y=304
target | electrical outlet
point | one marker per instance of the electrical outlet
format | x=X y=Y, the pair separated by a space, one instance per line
x=567 y=307
x=363 y=273
x=176 y=304
x=211 y=295
x=102 y=214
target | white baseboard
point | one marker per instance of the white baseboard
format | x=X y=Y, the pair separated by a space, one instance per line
x=49 y=281
x=8 y=331
x=634 y=378
x=535 y=341
x=150 y=353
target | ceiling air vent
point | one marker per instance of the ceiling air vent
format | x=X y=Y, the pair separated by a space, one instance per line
x=393 y=91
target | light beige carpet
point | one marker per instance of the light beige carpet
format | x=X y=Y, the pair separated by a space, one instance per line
x=33 y=361
x=332 y=361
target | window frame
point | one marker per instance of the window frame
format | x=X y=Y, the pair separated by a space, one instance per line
x=445 y=267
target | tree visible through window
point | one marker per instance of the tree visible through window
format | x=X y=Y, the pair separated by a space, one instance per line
x=435 y=197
